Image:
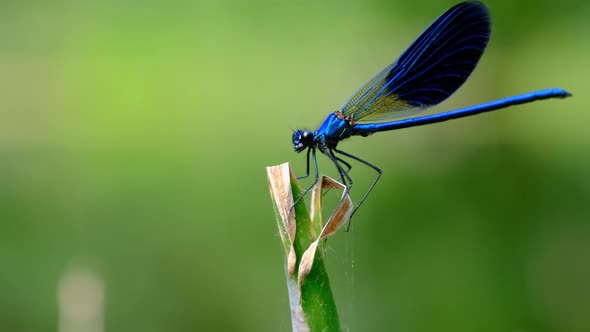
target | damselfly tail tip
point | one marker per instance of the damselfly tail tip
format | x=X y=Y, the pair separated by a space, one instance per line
x=562 y=93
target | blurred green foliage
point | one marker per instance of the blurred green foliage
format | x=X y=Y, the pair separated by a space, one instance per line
x=134 y=136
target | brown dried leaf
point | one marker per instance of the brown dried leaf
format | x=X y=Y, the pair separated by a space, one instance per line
x=279 y=181
x=337 y=220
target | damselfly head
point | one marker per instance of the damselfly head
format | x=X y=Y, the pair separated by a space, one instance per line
x=302 y=139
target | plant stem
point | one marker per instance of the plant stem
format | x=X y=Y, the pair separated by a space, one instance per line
x=312 y=304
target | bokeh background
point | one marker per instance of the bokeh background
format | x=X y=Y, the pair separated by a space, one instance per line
x=134 y=138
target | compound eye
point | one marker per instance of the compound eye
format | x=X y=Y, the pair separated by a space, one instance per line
x=299 y=140
x=302 y=139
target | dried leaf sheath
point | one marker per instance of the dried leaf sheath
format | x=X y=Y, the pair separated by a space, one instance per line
x=312 y=304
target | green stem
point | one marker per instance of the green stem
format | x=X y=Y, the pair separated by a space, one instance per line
x=316 y=309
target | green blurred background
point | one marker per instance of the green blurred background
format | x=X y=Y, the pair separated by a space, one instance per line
x=134 y=136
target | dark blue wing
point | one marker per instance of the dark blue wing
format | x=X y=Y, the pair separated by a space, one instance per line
x=430 y=70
